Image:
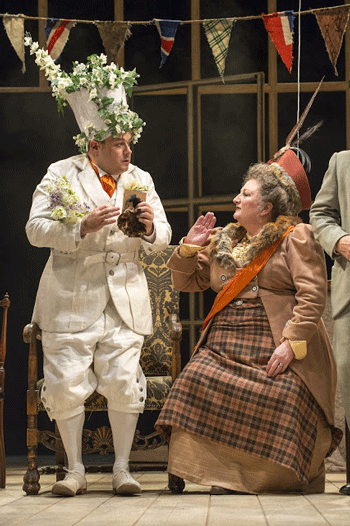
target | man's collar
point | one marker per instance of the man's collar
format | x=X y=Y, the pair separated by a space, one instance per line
x=83 y=162
x=101 y=172
x=97 y=169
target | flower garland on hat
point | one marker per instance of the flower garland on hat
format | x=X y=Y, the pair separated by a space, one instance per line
x=99 y=79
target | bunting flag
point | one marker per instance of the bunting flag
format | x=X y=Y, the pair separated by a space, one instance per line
x=333 y=23
x=57 y=34
x=218 y=33
x=167 y=31
x=280 y=27
x=14 y=27
x=113 y=36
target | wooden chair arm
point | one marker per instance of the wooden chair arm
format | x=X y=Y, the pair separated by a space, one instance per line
x=176 y=337
x=32 y=333
x=175 y=327
x=5 y=303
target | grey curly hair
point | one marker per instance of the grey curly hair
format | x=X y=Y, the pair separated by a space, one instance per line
x=276 y=187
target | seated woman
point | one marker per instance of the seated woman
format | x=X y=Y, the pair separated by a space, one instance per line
x=253 y=410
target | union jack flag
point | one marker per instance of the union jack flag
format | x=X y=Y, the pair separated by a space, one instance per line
x=167 y=31
x=57 y=33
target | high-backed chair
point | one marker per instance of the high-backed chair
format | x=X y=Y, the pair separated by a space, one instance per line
x=5 y=303
x=161 y=363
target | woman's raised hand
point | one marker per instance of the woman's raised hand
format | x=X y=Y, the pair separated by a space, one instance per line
x=201 y=230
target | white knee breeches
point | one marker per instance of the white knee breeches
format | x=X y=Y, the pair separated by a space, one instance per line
x=104 y=357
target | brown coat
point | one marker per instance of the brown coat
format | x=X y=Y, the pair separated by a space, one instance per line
x=292 y=287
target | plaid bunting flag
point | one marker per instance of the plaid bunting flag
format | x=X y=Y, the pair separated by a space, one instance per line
x=57 y=34
x=333 y=23
x=218 y=33
x=14 y=27
x=167 y=31
x=280 y=27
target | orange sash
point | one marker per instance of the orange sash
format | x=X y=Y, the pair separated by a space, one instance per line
x=242 y=278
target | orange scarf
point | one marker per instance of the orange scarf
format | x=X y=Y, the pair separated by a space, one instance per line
x=242 y=278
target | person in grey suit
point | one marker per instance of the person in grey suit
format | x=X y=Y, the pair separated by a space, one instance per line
x=330 y=219
x=92 y=303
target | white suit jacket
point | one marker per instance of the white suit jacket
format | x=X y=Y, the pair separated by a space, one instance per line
x=82 y=274
x=330 y=220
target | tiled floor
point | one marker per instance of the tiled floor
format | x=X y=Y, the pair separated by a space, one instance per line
x=156 y=506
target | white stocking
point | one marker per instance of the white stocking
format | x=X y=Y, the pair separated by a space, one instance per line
x=71 y=431
x=123 y=429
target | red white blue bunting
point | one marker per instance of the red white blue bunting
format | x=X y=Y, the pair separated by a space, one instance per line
x=280 y=27
x=57 y=33
x=167 y=31
x=332 y=22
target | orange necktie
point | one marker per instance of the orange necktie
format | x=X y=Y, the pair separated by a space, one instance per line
x=107 y=181
x=108 y=184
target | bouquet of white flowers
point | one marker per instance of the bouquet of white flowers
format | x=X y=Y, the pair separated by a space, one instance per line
x=64 y=202
x=135 y=185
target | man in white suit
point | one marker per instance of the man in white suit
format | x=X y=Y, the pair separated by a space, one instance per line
x=330 y=219
x=92 y=302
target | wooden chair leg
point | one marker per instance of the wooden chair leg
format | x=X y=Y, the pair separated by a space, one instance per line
x=345 y=490
x=5 y=303
x=2 y=447
x=31 y=478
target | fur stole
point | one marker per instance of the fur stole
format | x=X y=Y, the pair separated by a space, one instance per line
x=227 y=238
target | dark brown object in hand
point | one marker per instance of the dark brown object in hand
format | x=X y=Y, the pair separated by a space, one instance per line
x=128 y=222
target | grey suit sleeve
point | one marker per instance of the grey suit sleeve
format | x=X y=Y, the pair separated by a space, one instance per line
x=325 y=211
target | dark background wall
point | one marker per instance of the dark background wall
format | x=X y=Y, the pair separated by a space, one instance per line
x=33 y=135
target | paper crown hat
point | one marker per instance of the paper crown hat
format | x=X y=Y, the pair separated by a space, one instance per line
x=96 y=92
x=287 y=159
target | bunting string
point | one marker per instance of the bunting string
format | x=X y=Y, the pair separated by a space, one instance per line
x=146 y=22
x=332 y=22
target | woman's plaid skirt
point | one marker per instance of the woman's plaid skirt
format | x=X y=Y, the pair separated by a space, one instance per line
x=225 y=395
